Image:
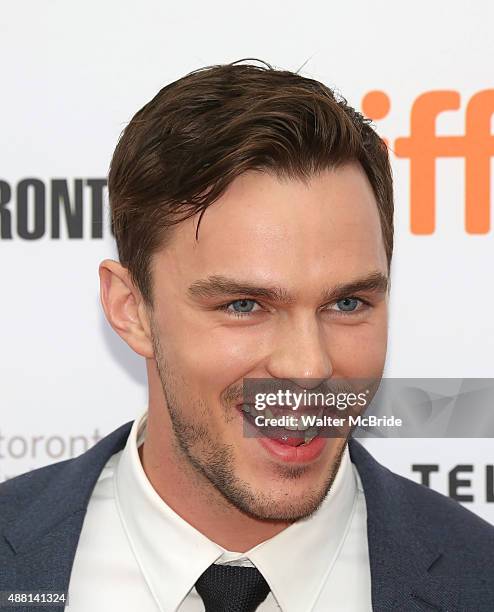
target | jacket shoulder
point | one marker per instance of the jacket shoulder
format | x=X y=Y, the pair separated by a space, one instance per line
x=459 y=525
x=423 y=513
x=16 y=494
x=465 y=539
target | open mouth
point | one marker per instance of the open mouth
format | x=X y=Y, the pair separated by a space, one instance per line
x=283 y=425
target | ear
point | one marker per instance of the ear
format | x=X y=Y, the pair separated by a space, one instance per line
x=124 y=307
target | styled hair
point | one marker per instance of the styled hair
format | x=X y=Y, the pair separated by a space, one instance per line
x=181 y=151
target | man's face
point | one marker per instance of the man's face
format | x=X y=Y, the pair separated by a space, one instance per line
x=305 y=240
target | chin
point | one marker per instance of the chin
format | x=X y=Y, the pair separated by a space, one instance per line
x=292 y=510
x=285 y=500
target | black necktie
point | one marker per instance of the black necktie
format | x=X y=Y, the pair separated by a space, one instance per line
x=232 y=588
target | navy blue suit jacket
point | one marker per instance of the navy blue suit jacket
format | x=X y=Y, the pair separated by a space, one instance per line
x=426 y=551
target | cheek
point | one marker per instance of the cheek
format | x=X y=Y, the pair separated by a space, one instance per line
x=358 y=351
x=209 y=358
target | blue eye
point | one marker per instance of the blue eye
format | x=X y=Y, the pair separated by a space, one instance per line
x=239 y=308
x=243 y=305
x=348 y=304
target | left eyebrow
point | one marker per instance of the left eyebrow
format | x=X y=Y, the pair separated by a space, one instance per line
x=221 y=286
x=376 y=282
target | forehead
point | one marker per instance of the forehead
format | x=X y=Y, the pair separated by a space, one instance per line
x=271 y=227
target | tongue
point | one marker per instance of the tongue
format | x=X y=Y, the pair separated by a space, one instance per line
x=291 y=441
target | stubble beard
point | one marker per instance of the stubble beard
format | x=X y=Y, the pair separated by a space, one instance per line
x=215 y=461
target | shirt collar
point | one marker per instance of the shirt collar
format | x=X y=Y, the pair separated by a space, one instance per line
x=295 y=562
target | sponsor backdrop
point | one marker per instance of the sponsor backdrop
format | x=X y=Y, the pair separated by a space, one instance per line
x=73 y=74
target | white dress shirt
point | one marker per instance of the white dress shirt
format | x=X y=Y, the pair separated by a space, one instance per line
x=136 y=553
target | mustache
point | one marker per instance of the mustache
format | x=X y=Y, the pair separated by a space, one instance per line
x=249 y=387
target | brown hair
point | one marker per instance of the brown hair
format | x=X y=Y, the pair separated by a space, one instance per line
x=182 y=150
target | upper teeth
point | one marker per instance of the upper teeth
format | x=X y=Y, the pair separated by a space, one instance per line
x=310 y=432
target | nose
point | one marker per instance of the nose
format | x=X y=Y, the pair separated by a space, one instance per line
x=301 y=353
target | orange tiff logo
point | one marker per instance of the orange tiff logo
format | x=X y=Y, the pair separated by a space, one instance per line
x=423 y=146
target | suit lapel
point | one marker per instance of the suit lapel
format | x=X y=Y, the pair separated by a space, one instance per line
x=45 y=534
x=406 y=556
